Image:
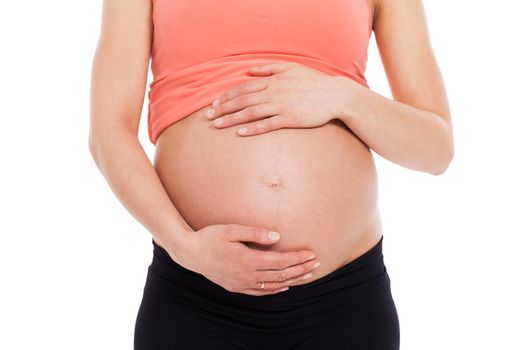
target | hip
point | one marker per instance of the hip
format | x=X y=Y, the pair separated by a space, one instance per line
x=349 y=307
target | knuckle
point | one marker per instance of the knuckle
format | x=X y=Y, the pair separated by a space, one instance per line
x=269 y=123
x=292 y=260
x=260 y=127
x=259 y=85
x=269 y=286
x=229 y=94
x=255 y=233
x=305 y=268
x=250 y=113
x=292 y=282
x=244 y=88
x=301 y=258
x=264 y=95
x=282 y=276
x=262 y=232
x=277 y=285
x=265 y=81
x=272 y=108
x=299 y=278
x=242 y=101
x=281 y=264
x=233 y=118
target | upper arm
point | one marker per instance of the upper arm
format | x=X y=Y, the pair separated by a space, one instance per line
x=120 y=65
x=405 y=49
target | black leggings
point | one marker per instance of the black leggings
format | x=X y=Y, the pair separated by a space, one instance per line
x=350 y=308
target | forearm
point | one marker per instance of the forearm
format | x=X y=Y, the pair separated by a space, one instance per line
x=408 y=136
x=133 y=179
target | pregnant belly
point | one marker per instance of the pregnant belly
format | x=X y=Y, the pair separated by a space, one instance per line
x=317 y=187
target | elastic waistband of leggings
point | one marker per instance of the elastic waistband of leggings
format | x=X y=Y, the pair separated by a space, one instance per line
x=367 y=266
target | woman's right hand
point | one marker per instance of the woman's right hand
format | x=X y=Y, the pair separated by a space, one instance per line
x=218 y=253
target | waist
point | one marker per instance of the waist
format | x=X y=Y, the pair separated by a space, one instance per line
x=181 y=282
x=317 y=187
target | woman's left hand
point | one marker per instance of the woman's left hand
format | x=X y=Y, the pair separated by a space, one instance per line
x=291 y=96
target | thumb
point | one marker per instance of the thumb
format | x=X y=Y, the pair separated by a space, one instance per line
x=252 y=234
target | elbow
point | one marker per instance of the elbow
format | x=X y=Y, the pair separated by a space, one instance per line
x=446 y=153
x=95 y=143
x=91 y=143
x=443 y=165
x=93 y=146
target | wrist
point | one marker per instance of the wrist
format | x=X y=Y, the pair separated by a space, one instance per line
x=176 y=243
x=351 y=94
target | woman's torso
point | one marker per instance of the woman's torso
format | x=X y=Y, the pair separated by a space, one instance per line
x=318 y=186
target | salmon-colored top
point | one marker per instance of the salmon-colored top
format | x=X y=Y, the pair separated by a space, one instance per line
x=202 y=48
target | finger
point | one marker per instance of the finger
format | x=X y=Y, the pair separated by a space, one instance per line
x=256 y=234
x=237 y=103
x=242 y=89
x=287 y=273
x=259 y=292
x=272 y=260
x=275 y=285
x=246 y=115
x=263 y=126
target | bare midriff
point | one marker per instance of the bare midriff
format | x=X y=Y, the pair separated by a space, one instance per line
x=317 y=187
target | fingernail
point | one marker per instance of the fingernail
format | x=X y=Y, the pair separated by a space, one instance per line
x=210 y=112
x=215 y=103
x=316 y=265
x=311 y=257
x=273 y=235
x=308 y=275
x=242 y=131
x=218 y=122
x=284 y=289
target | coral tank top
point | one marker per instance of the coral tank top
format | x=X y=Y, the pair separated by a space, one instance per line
x=202 y=48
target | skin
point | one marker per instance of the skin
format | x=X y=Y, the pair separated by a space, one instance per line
x=413 y=130
x=119 y=77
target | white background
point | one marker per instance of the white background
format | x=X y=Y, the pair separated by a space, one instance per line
x=73 y=261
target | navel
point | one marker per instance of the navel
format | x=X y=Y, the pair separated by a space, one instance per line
x=273 y=181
